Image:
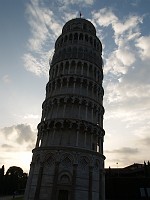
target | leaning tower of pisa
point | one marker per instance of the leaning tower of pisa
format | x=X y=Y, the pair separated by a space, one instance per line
x=68 y=160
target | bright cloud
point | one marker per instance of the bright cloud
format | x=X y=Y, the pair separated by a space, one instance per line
x=104 y=17
x=143 y=43
x=129 y=24
x=124 y=54
x=83 y=3
x=35 y=65
x=44 y=30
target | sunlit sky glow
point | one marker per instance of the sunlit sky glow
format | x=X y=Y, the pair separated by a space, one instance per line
x=28 y=30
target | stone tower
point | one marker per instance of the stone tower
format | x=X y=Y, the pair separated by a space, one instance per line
x=68 y=160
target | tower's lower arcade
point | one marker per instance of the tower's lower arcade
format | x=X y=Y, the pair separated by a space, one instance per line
x=61 y=173
x=68 y=162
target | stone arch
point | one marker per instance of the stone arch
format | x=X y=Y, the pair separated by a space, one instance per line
x=70 y=37
x=82 y=127
x=66 y=67
x=53 y=86
x=84 y=27
x=56 y=70
x=91 y=40
x=67 y=160
x=86 y=38
x=95 y=72
x=53 y=72
x=58 y=125
x=50 y=159
x=80 y=52
x=84 y=83
x=79 y=65
x=64 y=54
x=90 y=104
x=76 y=36
x=81 y=36
x=61 y=41
x=72 y=67
x=85 y=67
x=69 y=100
x=96 y=165
x=89 y=129
x=36 y=159
x=60 y=53
x=95 y=43
x=65 y=178
x=51 y=124
x=74 y=52
x=62 y=100
x=83 y=162
x=76 y=101
x=55 y=100
x=75 y=125
x=69 y=49
x=66 y=124
x=58 y=83
x=71 y=81
x=91 y=71
x=60 y=68
x=65 y=38
x=83 y=102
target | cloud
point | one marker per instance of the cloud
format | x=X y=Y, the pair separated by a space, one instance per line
x=143 y=43
x=130 y=24
x=119 y=61
x=44 y=30
x=6 y=78
x=104 y=17
x=65 y=3
x=122 y=157
x=126 y=32
x=7 y=147
x=145 y=141
x=126 y=56
x=124 y=150
x=142 y=135
x=19 y=136
x=35 y=65
x=45 y=27
x=127 y=101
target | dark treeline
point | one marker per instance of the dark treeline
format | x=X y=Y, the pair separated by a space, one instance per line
x=13 y=182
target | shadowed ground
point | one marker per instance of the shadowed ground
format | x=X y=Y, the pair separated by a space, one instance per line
x=18 y=197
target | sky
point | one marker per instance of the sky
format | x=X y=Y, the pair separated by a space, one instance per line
x=28 y=30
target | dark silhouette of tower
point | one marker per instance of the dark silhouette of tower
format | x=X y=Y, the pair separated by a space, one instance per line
x=68 y=160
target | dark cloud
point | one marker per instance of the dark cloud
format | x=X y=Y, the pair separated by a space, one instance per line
x=124 y=150
x=7 y=130
x=23 y=132
x=145 y=141
x=6 y=146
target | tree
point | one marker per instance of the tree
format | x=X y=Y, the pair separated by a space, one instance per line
x=1 y=180
x=15 y=180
